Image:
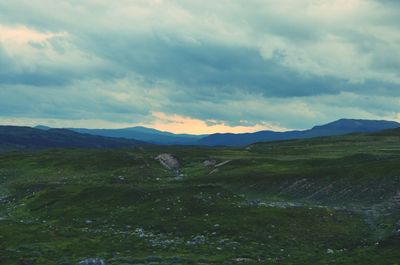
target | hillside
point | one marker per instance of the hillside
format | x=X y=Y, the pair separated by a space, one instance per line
x=329 y=200
x=140 y=133
x=339 y=127
x=391 y=132
x=14 y=137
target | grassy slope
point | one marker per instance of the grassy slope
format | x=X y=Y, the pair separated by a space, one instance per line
x=121 y=205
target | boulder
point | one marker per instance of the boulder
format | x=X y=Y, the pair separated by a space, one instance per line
x=168 y=161
x=91 y=261
x=209 y=162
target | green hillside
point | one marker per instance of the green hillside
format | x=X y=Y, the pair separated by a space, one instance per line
x=333 y=200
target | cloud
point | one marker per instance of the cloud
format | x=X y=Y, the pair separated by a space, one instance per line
x=260 y=63
x=182 y=124
x=46 y=58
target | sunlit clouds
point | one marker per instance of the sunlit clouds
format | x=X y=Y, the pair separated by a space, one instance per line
x=181 y=124
x=198 y=66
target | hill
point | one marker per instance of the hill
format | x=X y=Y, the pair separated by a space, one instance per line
x=15 y=137
x=390 y=132
x=327 y=200
x=339 y=127
x=139 y=133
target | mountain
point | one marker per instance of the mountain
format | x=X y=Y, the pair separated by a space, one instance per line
x=139 y=133
x=389 y=132
x=328 y=200
x=350 y=125
x=16 y=137
x=339 y=127
x=42 y=127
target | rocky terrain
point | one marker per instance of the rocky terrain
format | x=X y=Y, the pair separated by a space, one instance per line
x=332 y=200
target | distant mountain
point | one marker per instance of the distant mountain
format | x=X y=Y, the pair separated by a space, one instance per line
x=42 y=127
x=390 y=132
x=351 y=125
x=139 y=133
x=16 y=137
x=339 y=127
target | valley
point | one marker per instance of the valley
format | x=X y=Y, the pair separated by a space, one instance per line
x=330 y=200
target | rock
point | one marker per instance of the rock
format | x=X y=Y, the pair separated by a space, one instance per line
x=200 y=239
x=209 y=162
x=91 y=261
x=330 y=251
x=254 y=202
x=243 y=260
x=140 y=232
x=179 y=176
x=120 y=180
x=168 y=161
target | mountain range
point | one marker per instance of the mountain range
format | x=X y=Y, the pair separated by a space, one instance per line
x=18 y=137
x=140 y=133
x=339 y=127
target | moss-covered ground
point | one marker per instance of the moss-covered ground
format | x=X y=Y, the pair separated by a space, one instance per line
x=329 y=200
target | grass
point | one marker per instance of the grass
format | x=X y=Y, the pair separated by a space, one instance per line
x=316 y=201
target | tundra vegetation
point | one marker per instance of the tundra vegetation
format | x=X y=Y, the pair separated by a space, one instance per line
x=332 y=200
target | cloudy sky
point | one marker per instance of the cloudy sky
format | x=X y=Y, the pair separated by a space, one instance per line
x=198 y=66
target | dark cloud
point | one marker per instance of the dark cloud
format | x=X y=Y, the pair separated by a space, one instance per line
x=203 y=67
x=238 y=63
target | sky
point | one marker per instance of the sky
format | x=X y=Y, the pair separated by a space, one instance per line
x=198 y=67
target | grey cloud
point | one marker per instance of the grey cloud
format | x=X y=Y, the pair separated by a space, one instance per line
x=78 y=102
x=207 y=60
x=206 y=66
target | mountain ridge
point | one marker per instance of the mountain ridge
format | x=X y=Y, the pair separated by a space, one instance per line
x=139 y=133
x=23 y=137
x=338 y=127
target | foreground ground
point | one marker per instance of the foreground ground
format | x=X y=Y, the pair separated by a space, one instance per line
x=322 y=201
